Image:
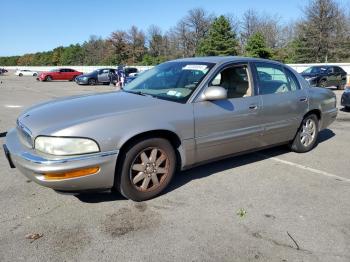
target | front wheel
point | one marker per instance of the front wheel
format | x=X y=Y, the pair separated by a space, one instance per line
x=20 y=74
x=147 y=167
x=35 y=74
x=48 y=78
x=306 y=137
x=92 y=82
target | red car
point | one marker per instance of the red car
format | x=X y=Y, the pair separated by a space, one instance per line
x=59 y=74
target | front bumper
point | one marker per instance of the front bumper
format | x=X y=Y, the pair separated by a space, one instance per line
x=33 y=165
x=345 y=99
x=81 y=81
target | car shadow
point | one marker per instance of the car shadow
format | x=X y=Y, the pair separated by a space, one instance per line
x=98 y=197
x=202 y=171
x=343 y=109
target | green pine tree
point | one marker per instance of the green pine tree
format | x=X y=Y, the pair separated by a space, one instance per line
x=256 y=47
x=220 y=41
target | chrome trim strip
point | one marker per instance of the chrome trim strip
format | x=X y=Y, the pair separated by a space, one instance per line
x=43 y=161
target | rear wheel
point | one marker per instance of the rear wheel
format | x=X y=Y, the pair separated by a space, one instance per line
x=73 y=79
x=92 y=82
x=48 y=78
x=306 y=137
x=146 y=169
x=35 y=74
x=20 y=74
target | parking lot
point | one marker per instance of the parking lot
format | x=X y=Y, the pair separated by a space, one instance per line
x=272 y=205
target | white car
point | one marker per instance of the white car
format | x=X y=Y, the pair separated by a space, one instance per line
x=26 y=72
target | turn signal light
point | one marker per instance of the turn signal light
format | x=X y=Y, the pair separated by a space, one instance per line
x=71 y=174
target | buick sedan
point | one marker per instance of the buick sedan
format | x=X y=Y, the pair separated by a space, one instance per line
x=177 y=115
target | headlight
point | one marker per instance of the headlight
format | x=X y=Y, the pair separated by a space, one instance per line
x=84 y=78
x=64 y=146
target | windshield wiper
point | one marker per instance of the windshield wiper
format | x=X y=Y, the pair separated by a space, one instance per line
x=138 y=93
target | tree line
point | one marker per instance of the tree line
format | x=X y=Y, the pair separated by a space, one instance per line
x=322 y=34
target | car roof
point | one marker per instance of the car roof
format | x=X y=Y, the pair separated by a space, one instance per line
x=224 y=59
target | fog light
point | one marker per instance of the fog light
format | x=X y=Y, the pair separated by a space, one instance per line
x=71 y=174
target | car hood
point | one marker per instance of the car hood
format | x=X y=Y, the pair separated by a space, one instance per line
x=92 y=74
x=51 y=117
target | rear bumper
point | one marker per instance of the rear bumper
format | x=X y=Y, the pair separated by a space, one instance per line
x=33 y=165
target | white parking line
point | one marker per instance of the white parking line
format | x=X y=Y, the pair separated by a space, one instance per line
x=313 y=170
x=13 y=106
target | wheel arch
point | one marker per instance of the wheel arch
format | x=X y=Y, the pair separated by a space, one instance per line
x=171 y=136
x=316 y=112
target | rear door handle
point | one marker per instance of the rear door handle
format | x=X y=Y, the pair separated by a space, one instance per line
x=303 y=99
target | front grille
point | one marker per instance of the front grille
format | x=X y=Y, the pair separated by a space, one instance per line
x=24 y=134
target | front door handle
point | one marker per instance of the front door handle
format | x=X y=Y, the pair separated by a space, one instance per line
x=253 y=107
x=303 y=99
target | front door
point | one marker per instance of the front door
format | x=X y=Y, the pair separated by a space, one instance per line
x=284 y=103
x=231 y=125
x=103 y=76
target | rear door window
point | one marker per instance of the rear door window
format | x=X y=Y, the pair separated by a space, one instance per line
x=271 y=79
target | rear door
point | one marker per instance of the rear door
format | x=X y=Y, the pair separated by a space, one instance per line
x=230 y=125
x=284 y=103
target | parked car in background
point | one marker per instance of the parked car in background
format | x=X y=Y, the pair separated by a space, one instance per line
x=176 y=115
x=130 y=71
x=59 y=74
x=345 y=98
x=325 y=76
x=26 y=72
x=101 y=76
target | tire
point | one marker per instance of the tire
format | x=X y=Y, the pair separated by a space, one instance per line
x=304 y=143
x=73 y=79
x=35 y=74
x=20 y=74
x=48 y=78
x=323 y=83
x=92 y=82
x=145 y=169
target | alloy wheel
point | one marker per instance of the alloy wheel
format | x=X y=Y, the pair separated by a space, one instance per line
x=149 y=169
x=308 y=133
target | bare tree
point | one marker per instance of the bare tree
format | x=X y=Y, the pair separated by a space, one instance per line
x=268 y=26
x=136 y=44
x=323 y=34
x=119 y=44
x=155 y=40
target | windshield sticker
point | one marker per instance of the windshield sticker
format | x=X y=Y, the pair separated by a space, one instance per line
x=173 y=93
x=202 y=68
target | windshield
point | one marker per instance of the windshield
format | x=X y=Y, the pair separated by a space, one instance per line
x=315 y=70
x=173 y=81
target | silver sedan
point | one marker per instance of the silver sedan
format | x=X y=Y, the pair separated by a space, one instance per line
x=177 y=115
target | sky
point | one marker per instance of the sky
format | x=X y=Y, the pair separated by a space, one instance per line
x=41 y=25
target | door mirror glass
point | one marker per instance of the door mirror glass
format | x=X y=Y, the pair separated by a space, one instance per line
x=213 y=93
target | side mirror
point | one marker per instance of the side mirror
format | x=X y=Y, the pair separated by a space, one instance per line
x=213 y=93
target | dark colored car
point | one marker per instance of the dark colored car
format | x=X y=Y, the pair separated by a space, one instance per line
x=59 y=74
x=103 y=76
x=325 y=76
x=130 y=70
x=345 y=98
